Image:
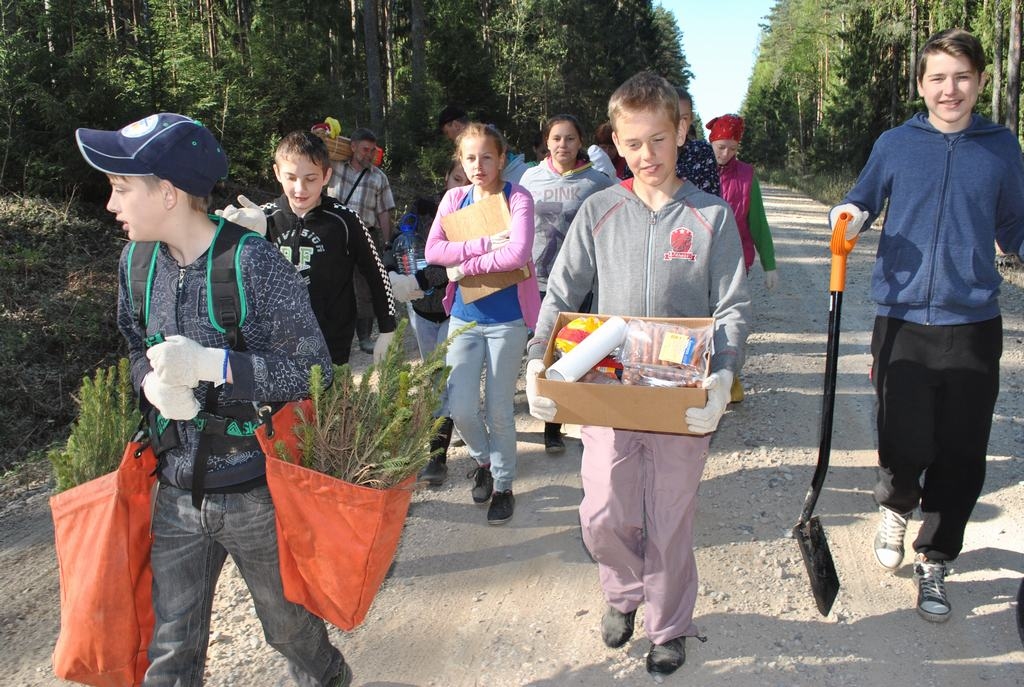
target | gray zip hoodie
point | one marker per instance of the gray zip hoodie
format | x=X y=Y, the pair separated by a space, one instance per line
x=685 y=260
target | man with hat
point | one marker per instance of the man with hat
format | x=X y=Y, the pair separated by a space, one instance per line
x=451 y=121
x=211 y=498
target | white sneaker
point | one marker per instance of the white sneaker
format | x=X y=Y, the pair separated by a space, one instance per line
x=889 y=538
x=932 y=602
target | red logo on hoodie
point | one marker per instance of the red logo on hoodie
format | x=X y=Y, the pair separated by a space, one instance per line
x=682 y=245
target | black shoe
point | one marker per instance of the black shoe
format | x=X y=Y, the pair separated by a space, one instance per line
x=617 y=627
x=434 y=472
x=665 y=659
x=366 y=346
x=439 y=444
x=483 y=484
x=553 y=438
x=503 y=504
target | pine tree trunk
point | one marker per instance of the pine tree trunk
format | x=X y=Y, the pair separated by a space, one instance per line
x=418 y=39
x=373 y=74
x=912 y=58
x=1013 y=70
x=997 y=64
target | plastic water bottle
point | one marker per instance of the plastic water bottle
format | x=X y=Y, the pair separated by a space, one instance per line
x=408 y=247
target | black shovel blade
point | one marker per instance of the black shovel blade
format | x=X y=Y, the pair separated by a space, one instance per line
x=818 y=560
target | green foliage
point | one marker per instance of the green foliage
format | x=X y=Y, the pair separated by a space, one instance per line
x=832 y=75
x=253 y=71
x=375 y=431
x=107 y=417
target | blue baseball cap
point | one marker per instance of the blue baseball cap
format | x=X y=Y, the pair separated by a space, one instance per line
x=167 y=145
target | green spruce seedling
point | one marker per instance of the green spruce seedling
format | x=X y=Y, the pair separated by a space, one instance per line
x=375 y=431
x=107 y=418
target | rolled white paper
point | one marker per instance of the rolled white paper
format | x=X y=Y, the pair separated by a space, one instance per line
x=589 y=352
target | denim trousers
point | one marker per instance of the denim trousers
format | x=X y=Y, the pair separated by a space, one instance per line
x=429 y=334
x=495 y=350
x=189 y=549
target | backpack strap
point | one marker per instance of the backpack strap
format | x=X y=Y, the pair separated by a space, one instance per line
x=141 y=265
x=225 y=296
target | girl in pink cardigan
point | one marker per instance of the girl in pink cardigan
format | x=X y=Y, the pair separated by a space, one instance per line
x=503 y=319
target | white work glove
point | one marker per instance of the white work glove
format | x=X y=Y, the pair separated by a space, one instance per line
x=404 y=287
x=380 y=349
x=175 y=402
x=455 y=273
x=183 y=362
x=501 y=239
x=541 y=407
x=705 y=420
x=771 y=280
x=854 y=225
x=250 y=215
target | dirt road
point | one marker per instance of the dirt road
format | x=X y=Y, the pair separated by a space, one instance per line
x=469 y=604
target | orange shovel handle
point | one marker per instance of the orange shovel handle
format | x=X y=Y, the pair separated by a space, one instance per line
x=840 y=247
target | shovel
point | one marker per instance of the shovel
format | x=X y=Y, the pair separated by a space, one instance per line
x=808 y=532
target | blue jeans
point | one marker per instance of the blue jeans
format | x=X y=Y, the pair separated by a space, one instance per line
x=496 y=349
x=430 y=335
x=189 y=550
x=427 y=332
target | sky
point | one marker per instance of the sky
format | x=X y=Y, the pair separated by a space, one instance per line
x=719 y=40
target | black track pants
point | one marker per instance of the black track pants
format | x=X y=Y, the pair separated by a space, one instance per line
x=936 y=387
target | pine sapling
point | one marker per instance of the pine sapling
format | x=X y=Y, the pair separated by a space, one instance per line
x=107 y=418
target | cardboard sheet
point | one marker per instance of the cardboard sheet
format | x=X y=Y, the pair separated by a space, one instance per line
x=482 y=218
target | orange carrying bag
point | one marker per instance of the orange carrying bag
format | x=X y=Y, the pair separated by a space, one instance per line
x=336 y=540
x=102 y=532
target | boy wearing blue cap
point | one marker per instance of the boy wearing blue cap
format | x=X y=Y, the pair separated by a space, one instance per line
x=212 y=498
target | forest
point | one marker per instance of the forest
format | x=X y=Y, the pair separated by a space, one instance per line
x=831 y=75
x=252 y=70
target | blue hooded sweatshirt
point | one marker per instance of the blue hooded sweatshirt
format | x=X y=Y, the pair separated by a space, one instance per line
x=950 y=197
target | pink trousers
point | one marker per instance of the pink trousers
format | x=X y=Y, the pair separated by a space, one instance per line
x=640 y=497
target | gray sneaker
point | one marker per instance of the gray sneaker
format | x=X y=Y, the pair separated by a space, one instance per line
x=932 y=602
x=892 y=528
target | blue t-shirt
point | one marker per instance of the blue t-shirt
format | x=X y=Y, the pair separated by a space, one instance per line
x=502 y=306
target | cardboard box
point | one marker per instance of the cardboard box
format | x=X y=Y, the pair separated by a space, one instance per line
x=482 y=218
x=623 y=406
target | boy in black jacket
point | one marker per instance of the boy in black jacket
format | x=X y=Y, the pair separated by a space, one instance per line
x=325 y=241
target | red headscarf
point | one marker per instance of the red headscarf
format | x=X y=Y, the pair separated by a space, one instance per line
x=728 y=126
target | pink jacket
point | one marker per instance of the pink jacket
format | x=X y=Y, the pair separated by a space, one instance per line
x=737 y=179
x=476 y=257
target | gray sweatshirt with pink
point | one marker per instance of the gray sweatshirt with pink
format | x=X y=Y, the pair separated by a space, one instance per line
x=683 y=260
